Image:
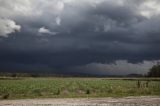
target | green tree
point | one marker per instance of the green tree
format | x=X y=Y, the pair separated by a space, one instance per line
x=154 y=71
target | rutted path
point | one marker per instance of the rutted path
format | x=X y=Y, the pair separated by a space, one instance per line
x=126 y=101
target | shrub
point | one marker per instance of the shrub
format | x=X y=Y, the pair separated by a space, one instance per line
x=5 y=96
x=88 y=91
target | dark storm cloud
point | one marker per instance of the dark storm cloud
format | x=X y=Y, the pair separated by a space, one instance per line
x=69 y=35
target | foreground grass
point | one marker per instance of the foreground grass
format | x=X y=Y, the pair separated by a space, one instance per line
x=75 y=87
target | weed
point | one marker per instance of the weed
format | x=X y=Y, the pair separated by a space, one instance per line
x=5 y=96
x=88 y=92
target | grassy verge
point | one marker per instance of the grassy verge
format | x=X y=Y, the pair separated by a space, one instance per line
x=77 y=87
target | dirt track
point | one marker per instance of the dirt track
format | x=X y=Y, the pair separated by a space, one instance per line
x=126 y=101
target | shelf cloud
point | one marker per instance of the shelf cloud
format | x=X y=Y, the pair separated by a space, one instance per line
x=107 y=34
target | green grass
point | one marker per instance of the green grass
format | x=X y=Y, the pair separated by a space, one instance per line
x=74 y=87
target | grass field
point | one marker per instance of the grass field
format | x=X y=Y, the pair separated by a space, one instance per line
x=12 y=88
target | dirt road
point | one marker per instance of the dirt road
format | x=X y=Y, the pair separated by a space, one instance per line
x=126 y=101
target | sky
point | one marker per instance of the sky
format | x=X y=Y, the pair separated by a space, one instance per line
x=101 y=37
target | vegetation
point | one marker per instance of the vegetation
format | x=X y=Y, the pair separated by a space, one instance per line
x=17 y=88
x=154 y=71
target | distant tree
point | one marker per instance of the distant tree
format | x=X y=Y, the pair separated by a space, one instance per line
x=154 y=71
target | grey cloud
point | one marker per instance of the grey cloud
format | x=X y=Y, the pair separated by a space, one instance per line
x=87 y=32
